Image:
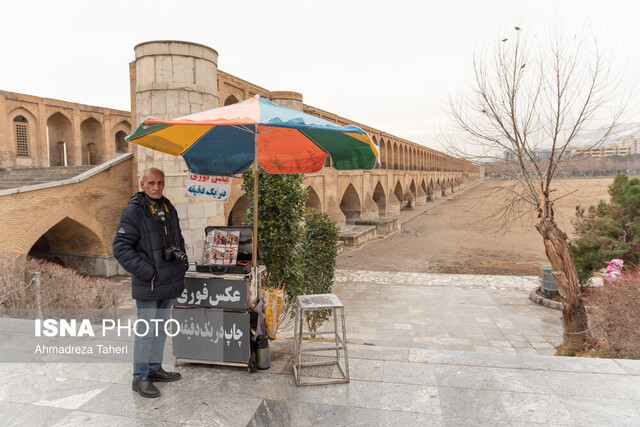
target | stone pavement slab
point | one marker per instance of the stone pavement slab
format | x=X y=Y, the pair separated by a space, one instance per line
x=440 y=350
x=389 y=386
x=485 y=314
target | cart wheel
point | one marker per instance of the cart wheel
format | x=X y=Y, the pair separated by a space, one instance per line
x=218 y=270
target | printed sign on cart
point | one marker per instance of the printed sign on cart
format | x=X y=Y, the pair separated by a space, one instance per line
x=207 y=187
x=214 y=335
x=213 y=292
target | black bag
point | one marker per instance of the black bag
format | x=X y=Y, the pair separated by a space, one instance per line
x=244 y=258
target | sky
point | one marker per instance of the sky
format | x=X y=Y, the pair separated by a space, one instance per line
x=391 y=65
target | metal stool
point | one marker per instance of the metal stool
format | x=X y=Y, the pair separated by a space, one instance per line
x=316 y=303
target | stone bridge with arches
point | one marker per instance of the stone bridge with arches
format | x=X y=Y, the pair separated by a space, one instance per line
x=347 y=196
x=75 y=220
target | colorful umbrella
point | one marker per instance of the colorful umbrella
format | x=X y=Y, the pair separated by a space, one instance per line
x=227 y=140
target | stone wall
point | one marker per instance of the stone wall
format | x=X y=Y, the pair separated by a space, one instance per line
x=65 y=121
x=74 y=219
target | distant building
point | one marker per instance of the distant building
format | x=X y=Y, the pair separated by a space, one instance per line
x=539 y=154
x=625 y=146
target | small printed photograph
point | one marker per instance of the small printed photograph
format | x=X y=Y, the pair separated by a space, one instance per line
x=209 y=239
x=218 y=256
x=230 y=256
x=206 y=258
x=219 y=238
x=233 y=239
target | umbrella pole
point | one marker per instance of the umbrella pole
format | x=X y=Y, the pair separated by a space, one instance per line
x=254 y=254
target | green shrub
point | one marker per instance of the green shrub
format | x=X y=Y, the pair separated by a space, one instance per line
x=298 y=250
x=317 y=254
x=608 y=230
x=281 y=200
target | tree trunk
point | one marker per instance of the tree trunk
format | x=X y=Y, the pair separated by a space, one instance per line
x=574 y=315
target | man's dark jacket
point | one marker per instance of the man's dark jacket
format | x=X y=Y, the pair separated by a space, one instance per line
x=138 y=245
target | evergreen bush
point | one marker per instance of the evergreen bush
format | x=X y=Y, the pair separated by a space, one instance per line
x=298 y=249
x=608 y=230
x=317 y=254
x=281 y=200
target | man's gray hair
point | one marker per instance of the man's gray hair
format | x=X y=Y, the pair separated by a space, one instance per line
x=144 y=172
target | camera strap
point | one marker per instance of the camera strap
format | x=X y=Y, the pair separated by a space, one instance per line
x=162 y=216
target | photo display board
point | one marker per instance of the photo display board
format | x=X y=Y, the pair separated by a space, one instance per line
x=221 y=247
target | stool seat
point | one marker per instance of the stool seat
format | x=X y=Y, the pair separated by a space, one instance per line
x=319 y=302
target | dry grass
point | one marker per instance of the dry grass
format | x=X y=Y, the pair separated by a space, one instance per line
x=614 y=313
x=60 y=288
x=463 y=236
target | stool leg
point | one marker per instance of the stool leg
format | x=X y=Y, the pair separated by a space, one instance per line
x=296 y=345
x=300 y=326
x=344 y=344
x=295 y=331
x=335 y=332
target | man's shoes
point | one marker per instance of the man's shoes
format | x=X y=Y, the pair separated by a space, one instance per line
x=145 y=388
x=163 y=376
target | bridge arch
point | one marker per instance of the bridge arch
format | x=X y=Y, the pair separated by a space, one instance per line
x=350 y=204
x=239 y=211
x=379 y=196
x=313 y=200
x=92 y=136
x=230 y=100
x=413 y=191
x=61 y=146
x=118 y=132
x=70 y=227
x=385 y=153
x=396 y=156
x=397 y=191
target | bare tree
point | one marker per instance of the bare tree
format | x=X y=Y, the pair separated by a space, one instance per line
x=522 y=100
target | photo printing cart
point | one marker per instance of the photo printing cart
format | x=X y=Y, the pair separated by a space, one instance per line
x=214 y=309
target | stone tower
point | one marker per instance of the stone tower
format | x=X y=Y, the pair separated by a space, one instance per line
x=173 y=79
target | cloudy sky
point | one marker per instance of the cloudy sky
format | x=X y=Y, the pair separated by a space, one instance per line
x=388 y=64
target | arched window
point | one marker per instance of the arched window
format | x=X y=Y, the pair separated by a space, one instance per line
x=230 y=100
x=121 y=144
x=21 y=126
x=92 y=154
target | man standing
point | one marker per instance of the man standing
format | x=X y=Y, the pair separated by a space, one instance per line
x=149 y=245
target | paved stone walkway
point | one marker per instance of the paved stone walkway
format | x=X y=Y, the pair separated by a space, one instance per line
x=416 y=373
x=489 y=314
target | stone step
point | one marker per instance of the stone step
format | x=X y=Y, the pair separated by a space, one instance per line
x=20 y=177
x=53 y=171
x=356 y=235
x=35 y=178
x=384 y=225
x=24 y=183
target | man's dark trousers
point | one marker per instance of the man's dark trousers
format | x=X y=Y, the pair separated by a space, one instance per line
x=148 y=349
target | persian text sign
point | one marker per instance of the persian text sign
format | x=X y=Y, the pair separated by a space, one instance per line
x=211 y=334
x=213 y=188
x=214 y=292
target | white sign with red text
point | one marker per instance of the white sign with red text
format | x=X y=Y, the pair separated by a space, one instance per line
x=206 y=187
